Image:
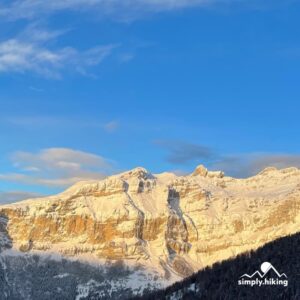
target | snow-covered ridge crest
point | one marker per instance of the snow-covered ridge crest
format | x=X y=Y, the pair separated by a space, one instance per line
x=175 y=224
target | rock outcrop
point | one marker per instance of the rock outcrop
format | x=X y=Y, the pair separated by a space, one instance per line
x=178 y=224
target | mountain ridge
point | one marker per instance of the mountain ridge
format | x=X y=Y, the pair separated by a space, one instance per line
x=172 y=225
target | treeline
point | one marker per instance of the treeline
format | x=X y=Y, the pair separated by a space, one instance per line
x=40 y=278
x=221 y=280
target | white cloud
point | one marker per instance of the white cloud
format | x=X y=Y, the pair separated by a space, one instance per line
x=34 y=8
x=57 y=167
x=22 y=56
x=36 y=32
x=122 y=9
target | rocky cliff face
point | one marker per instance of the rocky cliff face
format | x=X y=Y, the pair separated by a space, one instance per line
x=176 y=225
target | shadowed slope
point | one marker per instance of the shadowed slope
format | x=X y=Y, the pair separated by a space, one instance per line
x=221 y=280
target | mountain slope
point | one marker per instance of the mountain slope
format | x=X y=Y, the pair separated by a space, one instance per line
x=221 y=280
x=168 y=225
x=36 y=277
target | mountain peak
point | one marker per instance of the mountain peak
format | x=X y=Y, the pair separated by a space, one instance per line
x=200 y=170
x=139 y=172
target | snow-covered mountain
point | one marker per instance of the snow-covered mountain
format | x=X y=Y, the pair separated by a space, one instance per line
x=161 y=227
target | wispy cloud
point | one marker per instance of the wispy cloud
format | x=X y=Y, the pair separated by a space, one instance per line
x=179 y=152
x=249 y=164
x=123 y=9
x=126 y=57
x=35 y=32
x=25 y=56
x=30 y=51
x=14 y=196
x=33 y=8
x=36 y=89
x=111 y=126
x=40 y=121
x=57 y=167
x=68 y=122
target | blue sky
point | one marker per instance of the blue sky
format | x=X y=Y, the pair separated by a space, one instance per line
x=90 y=88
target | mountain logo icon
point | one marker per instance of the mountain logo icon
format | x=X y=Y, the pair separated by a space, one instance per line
x=265 y=269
